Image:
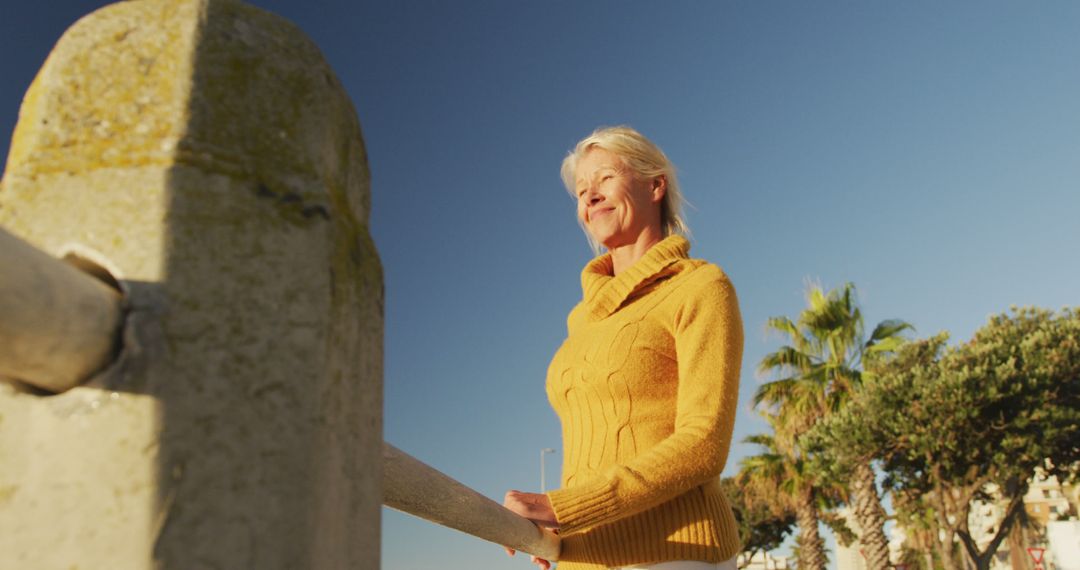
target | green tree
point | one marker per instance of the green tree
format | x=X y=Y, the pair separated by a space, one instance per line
x=779 y=479
x=762 y=524
x=857 y=433
x=973 y=422
x=819 y=370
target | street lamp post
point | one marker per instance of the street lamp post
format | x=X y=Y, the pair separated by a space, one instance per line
x=543 y=452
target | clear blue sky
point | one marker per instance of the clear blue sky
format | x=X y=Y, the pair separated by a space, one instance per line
x=929 y=152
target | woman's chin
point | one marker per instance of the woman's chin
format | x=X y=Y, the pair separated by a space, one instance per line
x=603 y=239
x=606 y=241
x=612 y=241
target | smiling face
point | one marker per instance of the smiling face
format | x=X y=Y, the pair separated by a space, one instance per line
x=614 y=203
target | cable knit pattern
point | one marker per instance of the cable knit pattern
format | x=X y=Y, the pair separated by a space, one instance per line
x=646 y=386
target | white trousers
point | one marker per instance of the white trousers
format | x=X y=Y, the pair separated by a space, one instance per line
x=728 y=564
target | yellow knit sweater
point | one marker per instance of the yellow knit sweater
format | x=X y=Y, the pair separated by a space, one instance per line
x=646 y=385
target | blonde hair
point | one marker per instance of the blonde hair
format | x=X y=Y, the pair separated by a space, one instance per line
x=643 y=157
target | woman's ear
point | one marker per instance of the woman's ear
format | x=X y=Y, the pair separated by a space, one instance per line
x=659 y=188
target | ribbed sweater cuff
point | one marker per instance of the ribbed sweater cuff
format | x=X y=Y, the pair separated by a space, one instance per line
x=583 y=506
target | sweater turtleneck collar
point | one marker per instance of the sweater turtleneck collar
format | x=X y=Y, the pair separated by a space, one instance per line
x=604 y=293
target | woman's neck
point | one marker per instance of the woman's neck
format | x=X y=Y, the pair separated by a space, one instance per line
x=624 y=256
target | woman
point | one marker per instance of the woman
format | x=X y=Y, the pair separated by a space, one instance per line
x=646 y=382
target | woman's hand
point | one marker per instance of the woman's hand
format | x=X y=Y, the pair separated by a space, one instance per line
x=535 y=507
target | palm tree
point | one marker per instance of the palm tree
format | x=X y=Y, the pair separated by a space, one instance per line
x=820 y=368
x=779 y=477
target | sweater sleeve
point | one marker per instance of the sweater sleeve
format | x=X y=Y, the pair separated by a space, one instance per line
x=708 y=343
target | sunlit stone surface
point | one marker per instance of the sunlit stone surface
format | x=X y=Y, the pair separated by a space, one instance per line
x=205 y=155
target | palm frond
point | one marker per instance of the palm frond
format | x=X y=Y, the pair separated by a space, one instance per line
x=786 y=327
x=886 y=345
x=787 y=358
x=761 y=439
x=777 y=392
x=888 y=329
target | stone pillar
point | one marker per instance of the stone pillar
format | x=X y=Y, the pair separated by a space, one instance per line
x=204 y=154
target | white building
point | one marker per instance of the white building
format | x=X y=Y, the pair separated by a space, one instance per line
x=1064 y=545
x=1049 y=504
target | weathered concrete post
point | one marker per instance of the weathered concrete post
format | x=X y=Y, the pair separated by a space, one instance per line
x=204 y=154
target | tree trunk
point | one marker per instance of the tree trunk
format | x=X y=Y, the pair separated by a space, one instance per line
x=1018 y=557
x=946 y=550
x=871 y=517
x=922 y=540
x=919 y=538
x=982 y=559
x=811 y=546
x=944 y=533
